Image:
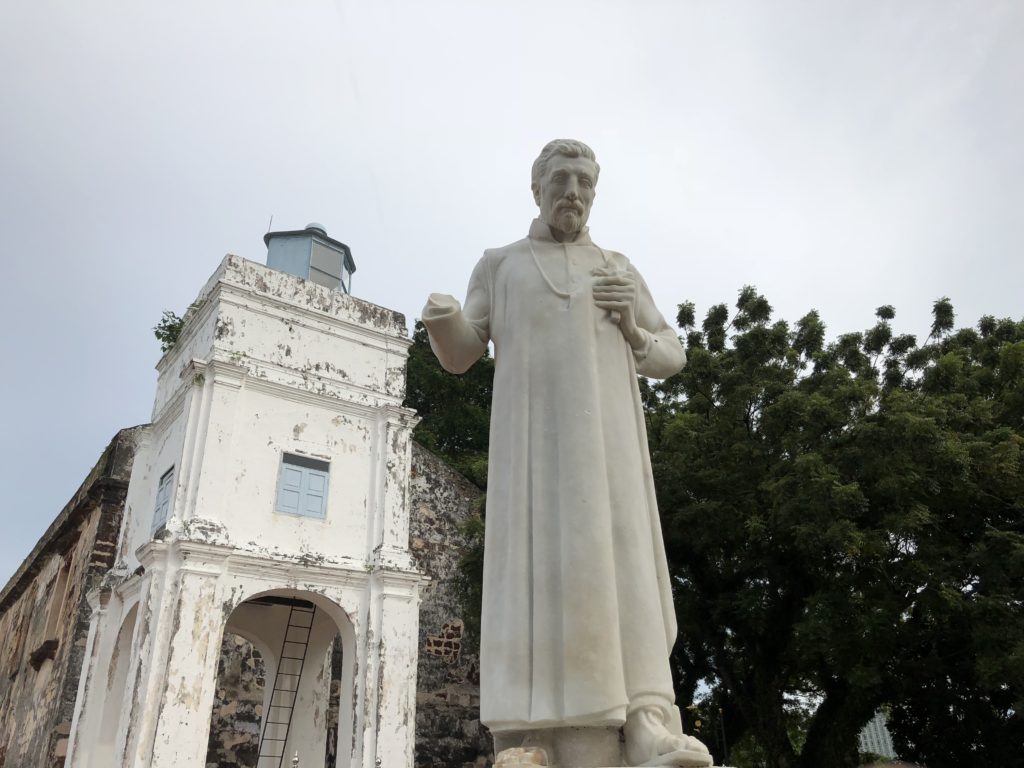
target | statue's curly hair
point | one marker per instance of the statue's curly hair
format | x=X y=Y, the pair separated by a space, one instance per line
x=566 y=147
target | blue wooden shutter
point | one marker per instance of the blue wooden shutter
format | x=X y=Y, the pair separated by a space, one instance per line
x=302 y=488
x=315 y=497
x=289 y=495
x=163 y=499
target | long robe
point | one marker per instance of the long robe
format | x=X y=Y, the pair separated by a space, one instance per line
x=578 y=620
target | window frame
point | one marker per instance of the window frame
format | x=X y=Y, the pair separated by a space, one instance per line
x=158 y=523
x=307 y=466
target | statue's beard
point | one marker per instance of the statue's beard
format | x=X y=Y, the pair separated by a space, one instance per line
x=569 y=220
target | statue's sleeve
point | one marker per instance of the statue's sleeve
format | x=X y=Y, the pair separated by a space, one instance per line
x=663 y=355
x=459 y=335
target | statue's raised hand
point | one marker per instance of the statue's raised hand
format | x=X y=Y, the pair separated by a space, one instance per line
x=615 y=290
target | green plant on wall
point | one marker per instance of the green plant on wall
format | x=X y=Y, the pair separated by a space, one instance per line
x=170 y=326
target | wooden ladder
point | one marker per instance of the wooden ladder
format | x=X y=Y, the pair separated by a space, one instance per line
x=278 y=719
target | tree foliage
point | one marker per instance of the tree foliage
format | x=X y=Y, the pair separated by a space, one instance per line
x=455 y=411
x=845 y=524
x=168 y=330
x=170 y=326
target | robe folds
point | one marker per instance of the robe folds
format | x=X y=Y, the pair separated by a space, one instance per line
x=578 y=619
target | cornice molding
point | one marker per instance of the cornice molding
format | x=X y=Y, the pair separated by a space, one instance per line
x=228 y=284
x=313 y=320
x=217 y=560
x=324 y=399
x=171 y=410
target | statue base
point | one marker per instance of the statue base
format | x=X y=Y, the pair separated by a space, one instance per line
x=682 y=757
x=535 y=757
x=580 y=748
x=566 y=747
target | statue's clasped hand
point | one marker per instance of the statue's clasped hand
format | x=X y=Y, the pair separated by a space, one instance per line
x=615 y=290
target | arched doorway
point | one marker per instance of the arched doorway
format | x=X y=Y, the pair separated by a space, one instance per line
x=114 y=695
x=283 y=684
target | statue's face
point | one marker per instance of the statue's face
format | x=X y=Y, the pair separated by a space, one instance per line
x=566 y=192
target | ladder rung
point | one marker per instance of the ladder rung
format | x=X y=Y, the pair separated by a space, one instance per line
x=300 y=644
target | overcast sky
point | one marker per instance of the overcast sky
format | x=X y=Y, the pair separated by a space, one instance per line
x=837 y=155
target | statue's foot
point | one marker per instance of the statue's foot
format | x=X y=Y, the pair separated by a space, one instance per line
x=650 y=743
x=521 y=757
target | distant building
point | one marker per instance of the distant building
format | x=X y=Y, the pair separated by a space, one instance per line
x=242 y=578
x=875 y=739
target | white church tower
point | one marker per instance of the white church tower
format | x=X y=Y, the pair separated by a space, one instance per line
x=268 y=499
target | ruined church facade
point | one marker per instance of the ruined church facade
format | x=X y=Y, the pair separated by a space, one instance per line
x=268 y=501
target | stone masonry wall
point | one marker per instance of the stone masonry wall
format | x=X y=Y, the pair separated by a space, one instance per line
x=44 y=614
x=237 y=712
x=448 y=730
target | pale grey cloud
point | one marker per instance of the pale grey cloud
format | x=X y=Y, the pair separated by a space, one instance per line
x=839 y=155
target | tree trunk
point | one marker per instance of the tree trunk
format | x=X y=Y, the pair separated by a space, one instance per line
x=832 y=735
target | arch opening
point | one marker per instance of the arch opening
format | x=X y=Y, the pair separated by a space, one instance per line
x=115 y=693
x=284 y=684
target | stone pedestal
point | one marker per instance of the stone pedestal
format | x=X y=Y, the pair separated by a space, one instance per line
x=577 y=748
x=533 y=757
x=562 y=747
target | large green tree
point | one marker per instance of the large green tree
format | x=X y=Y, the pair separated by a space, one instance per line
x=455 y=411
x=455 y=415
x=845 y=526
x=844 y=523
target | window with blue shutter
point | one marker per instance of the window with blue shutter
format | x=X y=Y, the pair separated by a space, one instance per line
x=163 y=499
x=302 y=486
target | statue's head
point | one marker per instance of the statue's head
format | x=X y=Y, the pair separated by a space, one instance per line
x=564 y=183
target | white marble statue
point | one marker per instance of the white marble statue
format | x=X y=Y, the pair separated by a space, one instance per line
x=578 y=618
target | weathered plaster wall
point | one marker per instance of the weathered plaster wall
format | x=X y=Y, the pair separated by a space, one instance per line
x=266 y=364
x=448 y=730
x=44 y=614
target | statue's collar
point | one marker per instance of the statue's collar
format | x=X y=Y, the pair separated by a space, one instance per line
x=542 y=233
